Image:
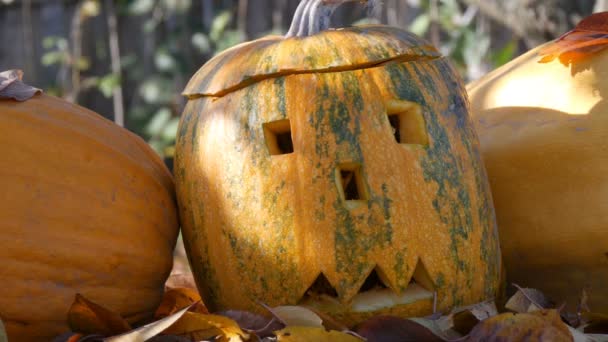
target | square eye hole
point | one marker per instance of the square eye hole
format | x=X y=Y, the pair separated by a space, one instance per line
x=350 y=183
x=407 y=122
x=278 y=137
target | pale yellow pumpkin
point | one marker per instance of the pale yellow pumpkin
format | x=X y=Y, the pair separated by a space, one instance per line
x=543 y=129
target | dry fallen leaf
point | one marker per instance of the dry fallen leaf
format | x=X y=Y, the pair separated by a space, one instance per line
x=11 y=86
x=590 y=36
x=177 y=299
x=464 y=319
x=254 y=323
x=296 y=316
x=313 y=334
x=148 y=331
x=389 y=328
x=541 y=325
x=528 y=300
x=87 y=317
x=204 y=326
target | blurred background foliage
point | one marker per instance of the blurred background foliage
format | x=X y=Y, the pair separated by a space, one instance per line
x=130 y=59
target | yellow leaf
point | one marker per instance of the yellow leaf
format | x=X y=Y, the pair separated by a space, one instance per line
x=313 y=334
x=87 y=317
x=205 y=326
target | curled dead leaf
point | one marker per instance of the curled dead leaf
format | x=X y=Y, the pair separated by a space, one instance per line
x=528 y=300
x=205 y=326
x=148 y=331
x=291 y=315
x=389 y=328
x=176 y=299
x=589 y=37
x=253 y=323
x=541 y=325
x=87 y=317
x=11 y=86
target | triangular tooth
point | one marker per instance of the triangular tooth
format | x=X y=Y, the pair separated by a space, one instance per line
x=375 y=279
x=421 y=277
x=321 y=286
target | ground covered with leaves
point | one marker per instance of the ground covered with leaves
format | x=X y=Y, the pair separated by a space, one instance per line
x=182 y=317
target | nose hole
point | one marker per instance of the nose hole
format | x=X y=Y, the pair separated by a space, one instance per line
x=350 y=183
x=278 y=137
x=407 y=122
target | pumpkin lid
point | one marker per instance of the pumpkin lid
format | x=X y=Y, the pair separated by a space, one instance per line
x=328 y=51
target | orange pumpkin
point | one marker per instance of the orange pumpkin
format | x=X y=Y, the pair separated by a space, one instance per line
x=87 y=207
x=544 y=136
x=338 y=169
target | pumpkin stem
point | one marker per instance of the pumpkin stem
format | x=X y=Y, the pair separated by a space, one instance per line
x=312 y=17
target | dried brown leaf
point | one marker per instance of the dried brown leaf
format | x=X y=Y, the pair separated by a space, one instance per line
x=528 y=300
x=389 y=328
x=589 y=37
x=11 y=86
x=313 y=334
x=205 y=326
x=296 y=316
x=178 y=298
x=148 y=331
x=541 y=325
x=441 y=326
x=88 y=317
x=466 y=318
x=254 y=323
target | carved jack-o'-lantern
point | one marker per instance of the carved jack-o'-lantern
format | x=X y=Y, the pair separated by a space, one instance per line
x=338 y=170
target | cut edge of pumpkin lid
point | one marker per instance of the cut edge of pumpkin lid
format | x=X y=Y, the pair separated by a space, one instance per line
x=329 y=51
x=13 y=88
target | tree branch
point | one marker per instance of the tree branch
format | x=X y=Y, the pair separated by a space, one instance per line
x=119 y=113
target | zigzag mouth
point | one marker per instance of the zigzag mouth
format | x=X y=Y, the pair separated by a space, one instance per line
x=374 y=294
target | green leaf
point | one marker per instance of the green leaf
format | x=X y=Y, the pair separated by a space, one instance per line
x=421 y=24
x=83 y=63
x=170 y=131
x=53 y=57
x=140 y=7
x=158 y=122
x=164 y=61
x=229 y=39
x=505 y=54
x=219 y=24
x=156 y=90
x=201 y=42
x=177 y=6
x=107 y=84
